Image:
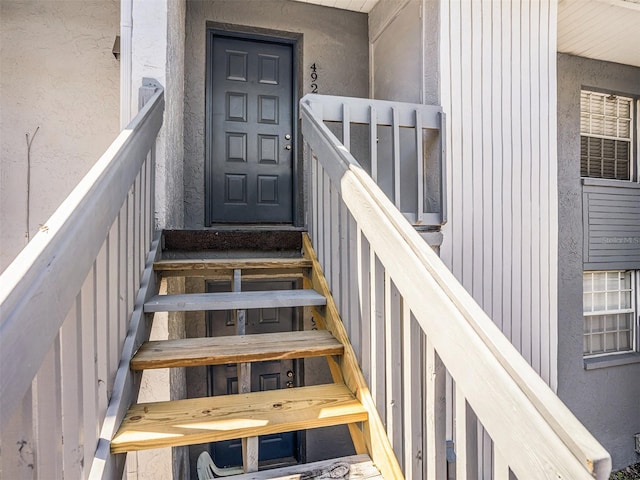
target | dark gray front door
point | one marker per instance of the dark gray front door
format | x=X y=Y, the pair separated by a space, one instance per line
x=250 y=122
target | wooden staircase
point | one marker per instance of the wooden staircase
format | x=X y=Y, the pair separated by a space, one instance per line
x=248 y=415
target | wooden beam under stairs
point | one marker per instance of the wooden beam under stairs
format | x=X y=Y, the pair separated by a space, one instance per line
x=193 y=352
x=234 y=300
x=212 y=419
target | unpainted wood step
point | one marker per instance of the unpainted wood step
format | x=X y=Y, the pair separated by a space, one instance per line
x=203 y=265
x=357 y=467
x=193 y=352
x=190 y=302
x=212 y=419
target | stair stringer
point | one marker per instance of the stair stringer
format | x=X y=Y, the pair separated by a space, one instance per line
x=372 y=439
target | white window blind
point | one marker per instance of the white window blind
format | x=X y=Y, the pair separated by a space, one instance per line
x=609 y=312
x=605 y=135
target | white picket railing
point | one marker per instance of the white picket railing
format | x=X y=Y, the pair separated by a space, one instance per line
x=411 y=322
x=67 y=303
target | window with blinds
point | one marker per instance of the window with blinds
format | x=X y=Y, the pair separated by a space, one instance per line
x=606 y=123
x=609 y=312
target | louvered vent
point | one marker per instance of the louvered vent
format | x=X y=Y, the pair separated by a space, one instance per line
x=605 y=140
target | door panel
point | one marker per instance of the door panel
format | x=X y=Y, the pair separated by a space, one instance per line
x=223 y=379
x=250 y=169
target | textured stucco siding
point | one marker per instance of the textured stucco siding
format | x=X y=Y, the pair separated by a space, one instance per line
x=57 y=72
x=606 y=400
x=335 y=40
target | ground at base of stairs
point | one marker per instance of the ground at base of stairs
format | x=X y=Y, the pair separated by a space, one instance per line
x=356 y=467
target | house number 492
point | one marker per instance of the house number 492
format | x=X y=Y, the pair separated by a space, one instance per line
x=314 y=78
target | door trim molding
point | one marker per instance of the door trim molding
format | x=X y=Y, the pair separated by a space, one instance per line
x=293 y=39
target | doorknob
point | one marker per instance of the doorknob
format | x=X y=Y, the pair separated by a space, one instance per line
x=287 y=137
x=287 y=147
x=290 y=374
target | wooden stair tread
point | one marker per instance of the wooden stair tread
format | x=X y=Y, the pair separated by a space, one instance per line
x=212 y=419
x=193 y=352
x=234 y=300
x=360 y=468
x=230 y=263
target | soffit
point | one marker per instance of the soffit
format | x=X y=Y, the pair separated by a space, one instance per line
x=600 y=29
x=363 y=6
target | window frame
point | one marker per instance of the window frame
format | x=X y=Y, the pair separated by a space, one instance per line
x=634 y=310
x=634 y=128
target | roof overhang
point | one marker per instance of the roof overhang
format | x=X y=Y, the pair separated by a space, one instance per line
x=363 y=6
x=600 y=29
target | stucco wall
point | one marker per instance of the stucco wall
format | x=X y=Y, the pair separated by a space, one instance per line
x=57 y=72
x=606 y=400
x=158 y=53
x=335 y=40
x=396 y=40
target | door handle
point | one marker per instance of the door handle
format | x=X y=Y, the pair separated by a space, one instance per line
x=287 y=147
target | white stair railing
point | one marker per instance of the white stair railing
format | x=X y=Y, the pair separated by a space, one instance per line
x=411 y=322
x=66 y=305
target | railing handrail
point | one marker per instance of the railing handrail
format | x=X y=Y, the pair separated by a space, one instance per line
x=39 y=287
x=515 y=385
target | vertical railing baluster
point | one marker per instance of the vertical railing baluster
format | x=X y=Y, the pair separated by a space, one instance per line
x=393 y=365
x=115 y=338
x=102 y=318
x=334 y=258
x=412 y=395
x=152 y=193
x=346 y=126
x=466 y=439
x=136 y=236
x=373 y=142
x=122 y=270
x=352 y=286
x=435 y=414
x=71 y=387
x=377 y=334
x=396 y=158
x=130 y=252
x=420 y=167
x=47 y=413
x=89 y=368
x=327 y=225
x=314 y=196
x=343 y=267
x=364 y=297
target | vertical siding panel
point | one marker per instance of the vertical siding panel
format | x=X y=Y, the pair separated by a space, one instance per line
x=552 y=213
x=516 y=175
x=498 y=88
x=507 y=166
x=497 y=117
x=487 y=152
x=536 y=225
x=452 y=250
x=467 y=157
x=525 y=217
x=477 y=223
